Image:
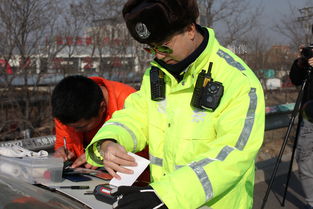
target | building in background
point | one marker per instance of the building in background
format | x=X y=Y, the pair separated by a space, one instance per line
x=104 y=50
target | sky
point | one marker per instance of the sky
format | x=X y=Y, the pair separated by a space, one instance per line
x=274 y=11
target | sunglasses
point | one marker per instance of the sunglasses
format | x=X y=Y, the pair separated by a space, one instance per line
x=159 y=49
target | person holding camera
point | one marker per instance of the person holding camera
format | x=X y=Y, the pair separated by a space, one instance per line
x=200 y=109
x=300 y=70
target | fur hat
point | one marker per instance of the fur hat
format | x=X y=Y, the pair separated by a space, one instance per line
x=153 y=21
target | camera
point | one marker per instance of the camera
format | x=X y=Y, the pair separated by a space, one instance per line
x=307 y=52
x=212 y=94
x=207 y=93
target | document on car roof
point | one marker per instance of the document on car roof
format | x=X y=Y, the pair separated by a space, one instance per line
x=129 y=179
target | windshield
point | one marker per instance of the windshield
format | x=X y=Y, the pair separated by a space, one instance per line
x=16 y=194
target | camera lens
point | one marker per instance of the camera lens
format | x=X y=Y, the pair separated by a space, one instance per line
x=307 y=52
x=209 y=99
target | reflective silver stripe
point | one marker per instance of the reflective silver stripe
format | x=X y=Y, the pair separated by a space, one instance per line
x=230 y=60
x=246 y=131
x=131 y=133
x=205 y=207
x=155 y=160
x=197 y=167
x=224 y=153
x=241 y=143
x=179 y=166
x=159 y=162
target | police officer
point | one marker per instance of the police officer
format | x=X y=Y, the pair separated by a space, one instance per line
x=200 y=109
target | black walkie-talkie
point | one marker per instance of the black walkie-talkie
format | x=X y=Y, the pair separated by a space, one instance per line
x=197 y=92
x=157 y=84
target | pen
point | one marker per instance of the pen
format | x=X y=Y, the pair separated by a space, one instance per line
x=71 y=187
x=68 y=162
x=65 y=147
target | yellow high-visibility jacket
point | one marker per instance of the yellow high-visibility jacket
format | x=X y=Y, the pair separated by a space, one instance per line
x=198 y=157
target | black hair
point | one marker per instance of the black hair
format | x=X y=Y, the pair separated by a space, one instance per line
x=75 y=98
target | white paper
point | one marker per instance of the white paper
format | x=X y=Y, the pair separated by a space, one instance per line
x=129 y=179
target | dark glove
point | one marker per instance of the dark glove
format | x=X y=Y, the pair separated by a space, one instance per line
x=132 y=197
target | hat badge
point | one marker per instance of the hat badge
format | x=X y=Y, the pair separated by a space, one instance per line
x=142 y=30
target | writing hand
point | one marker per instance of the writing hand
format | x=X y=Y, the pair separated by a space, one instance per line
x=64 y=154
x=81 y=160
x=115 y=157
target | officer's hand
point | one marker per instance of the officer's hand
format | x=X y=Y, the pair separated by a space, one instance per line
x=81 y=160
x=131 y=197
x=115 y=157
x=63 y=153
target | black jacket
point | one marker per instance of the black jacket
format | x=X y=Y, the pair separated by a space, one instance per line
x=299 y=72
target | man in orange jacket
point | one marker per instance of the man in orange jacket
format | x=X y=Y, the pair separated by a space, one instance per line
x=80 y=106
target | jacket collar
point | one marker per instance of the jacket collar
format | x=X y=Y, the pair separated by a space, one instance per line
x=201 y=62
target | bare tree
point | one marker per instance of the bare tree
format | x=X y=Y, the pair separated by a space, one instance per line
x=294 y=26
x=235 y=17
x=256 y=50
x=113 y=47
x=25 y=25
